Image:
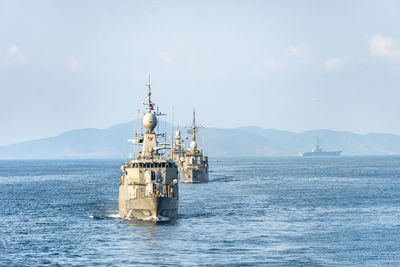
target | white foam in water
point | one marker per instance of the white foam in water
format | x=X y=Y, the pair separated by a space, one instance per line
x=163 y=219
x=107 y=216
x=113 y=216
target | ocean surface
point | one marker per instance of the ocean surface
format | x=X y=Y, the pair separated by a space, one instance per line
x=342 y=211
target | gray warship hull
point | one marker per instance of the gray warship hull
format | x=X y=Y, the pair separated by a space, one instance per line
x=321 y=154
x=193 y=176
x=148 y=208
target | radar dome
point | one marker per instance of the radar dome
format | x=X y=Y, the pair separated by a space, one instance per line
x=150 y=121
x=193 y=145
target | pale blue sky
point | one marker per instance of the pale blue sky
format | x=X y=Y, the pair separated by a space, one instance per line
x=288 y=65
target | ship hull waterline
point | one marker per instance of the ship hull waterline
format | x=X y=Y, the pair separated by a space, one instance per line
x=153 y=208
x=321 y=154
x=193 y=177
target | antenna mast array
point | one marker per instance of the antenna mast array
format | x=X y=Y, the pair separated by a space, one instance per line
x=194 y=129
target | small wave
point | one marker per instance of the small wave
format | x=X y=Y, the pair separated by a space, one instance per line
x=95 y=217
x=223 y=179
x=196 y=215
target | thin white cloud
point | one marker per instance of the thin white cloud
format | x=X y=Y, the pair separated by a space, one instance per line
x=384 y=47
x=274 y=65
x=74 y=64
x=301 y=51
x=292 y=57
x=11 y=56
x=334 y=64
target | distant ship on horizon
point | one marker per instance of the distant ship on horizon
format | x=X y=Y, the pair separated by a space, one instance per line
x=318 y=152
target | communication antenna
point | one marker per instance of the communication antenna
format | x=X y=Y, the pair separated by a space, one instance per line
x=194 y=129
x=158 y=124
x=139 y=128
x=149 y=104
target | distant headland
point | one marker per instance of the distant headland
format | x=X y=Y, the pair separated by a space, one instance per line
x=248 y=141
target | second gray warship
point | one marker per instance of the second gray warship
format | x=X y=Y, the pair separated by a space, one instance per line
x=148 y=189
x=192 y=163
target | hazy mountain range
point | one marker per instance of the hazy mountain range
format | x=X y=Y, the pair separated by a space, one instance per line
x=243 y=141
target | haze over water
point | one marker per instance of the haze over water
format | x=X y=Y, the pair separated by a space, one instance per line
x=255 y=211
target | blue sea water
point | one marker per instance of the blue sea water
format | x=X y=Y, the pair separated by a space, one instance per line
x=342 y=211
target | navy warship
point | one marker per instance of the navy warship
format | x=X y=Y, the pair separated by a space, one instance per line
x=318 y=152
x=193 y=164
x=148 y=188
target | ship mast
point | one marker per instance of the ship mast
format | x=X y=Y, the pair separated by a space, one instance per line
x=149 y=104
x=194 y=125
x=149 y=139
x=194 y=128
